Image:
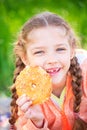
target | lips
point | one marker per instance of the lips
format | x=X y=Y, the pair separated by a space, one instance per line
x=53 y=71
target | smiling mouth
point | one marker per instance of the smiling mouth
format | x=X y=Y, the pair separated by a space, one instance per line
x=53 y=71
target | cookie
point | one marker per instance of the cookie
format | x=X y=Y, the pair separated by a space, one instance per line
x=36 y=83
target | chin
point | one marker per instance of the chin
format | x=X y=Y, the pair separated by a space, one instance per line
x=56 y=81
x=55 y=84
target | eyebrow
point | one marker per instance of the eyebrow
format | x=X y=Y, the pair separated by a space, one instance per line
x=43 y=47
x=38 y=47
x=61 y=44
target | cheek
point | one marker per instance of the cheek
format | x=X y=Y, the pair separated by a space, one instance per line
x=66 y=62
x=35 y=62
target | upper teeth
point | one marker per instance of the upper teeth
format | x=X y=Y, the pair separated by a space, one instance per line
x=50 y=71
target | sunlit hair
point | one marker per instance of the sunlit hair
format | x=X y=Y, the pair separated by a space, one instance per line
x=43 y=20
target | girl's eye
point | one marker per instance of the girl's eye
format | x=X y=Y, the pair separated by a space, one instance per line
x=38 y=52
x=60 y=49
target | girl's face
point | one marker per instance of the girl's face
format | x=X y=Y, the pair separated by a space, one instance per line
x=49 y=48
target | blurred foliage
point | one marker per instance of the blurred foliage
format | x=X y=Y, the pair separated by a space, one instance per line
x=13 y=14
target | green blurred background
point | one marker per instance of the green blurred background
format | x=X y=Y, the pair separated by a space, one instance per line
x=13 y=14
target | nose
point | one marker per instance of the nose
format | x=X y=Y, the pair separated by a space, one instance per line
x=52 y=60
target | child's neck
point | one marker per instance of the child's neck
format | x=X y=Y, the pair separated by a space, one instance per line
x=58 y=91
x=59 y=88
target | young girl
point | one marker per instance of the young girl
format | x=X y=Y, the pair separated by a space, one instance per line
x=47 y=41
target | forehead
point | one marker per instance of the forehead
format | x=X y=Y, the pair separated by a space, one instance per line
x=47 y=37
x=46 y=31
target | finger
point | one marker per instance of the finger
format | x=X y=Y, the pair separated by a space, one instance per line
x=27 y=114
x=33 y=114
x=26 y=105
x=21 y=100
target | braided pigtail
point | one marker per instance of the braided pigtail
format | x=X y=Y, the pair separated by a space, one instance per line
x=14 y=107
x=76 y=74
x=19 y=67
